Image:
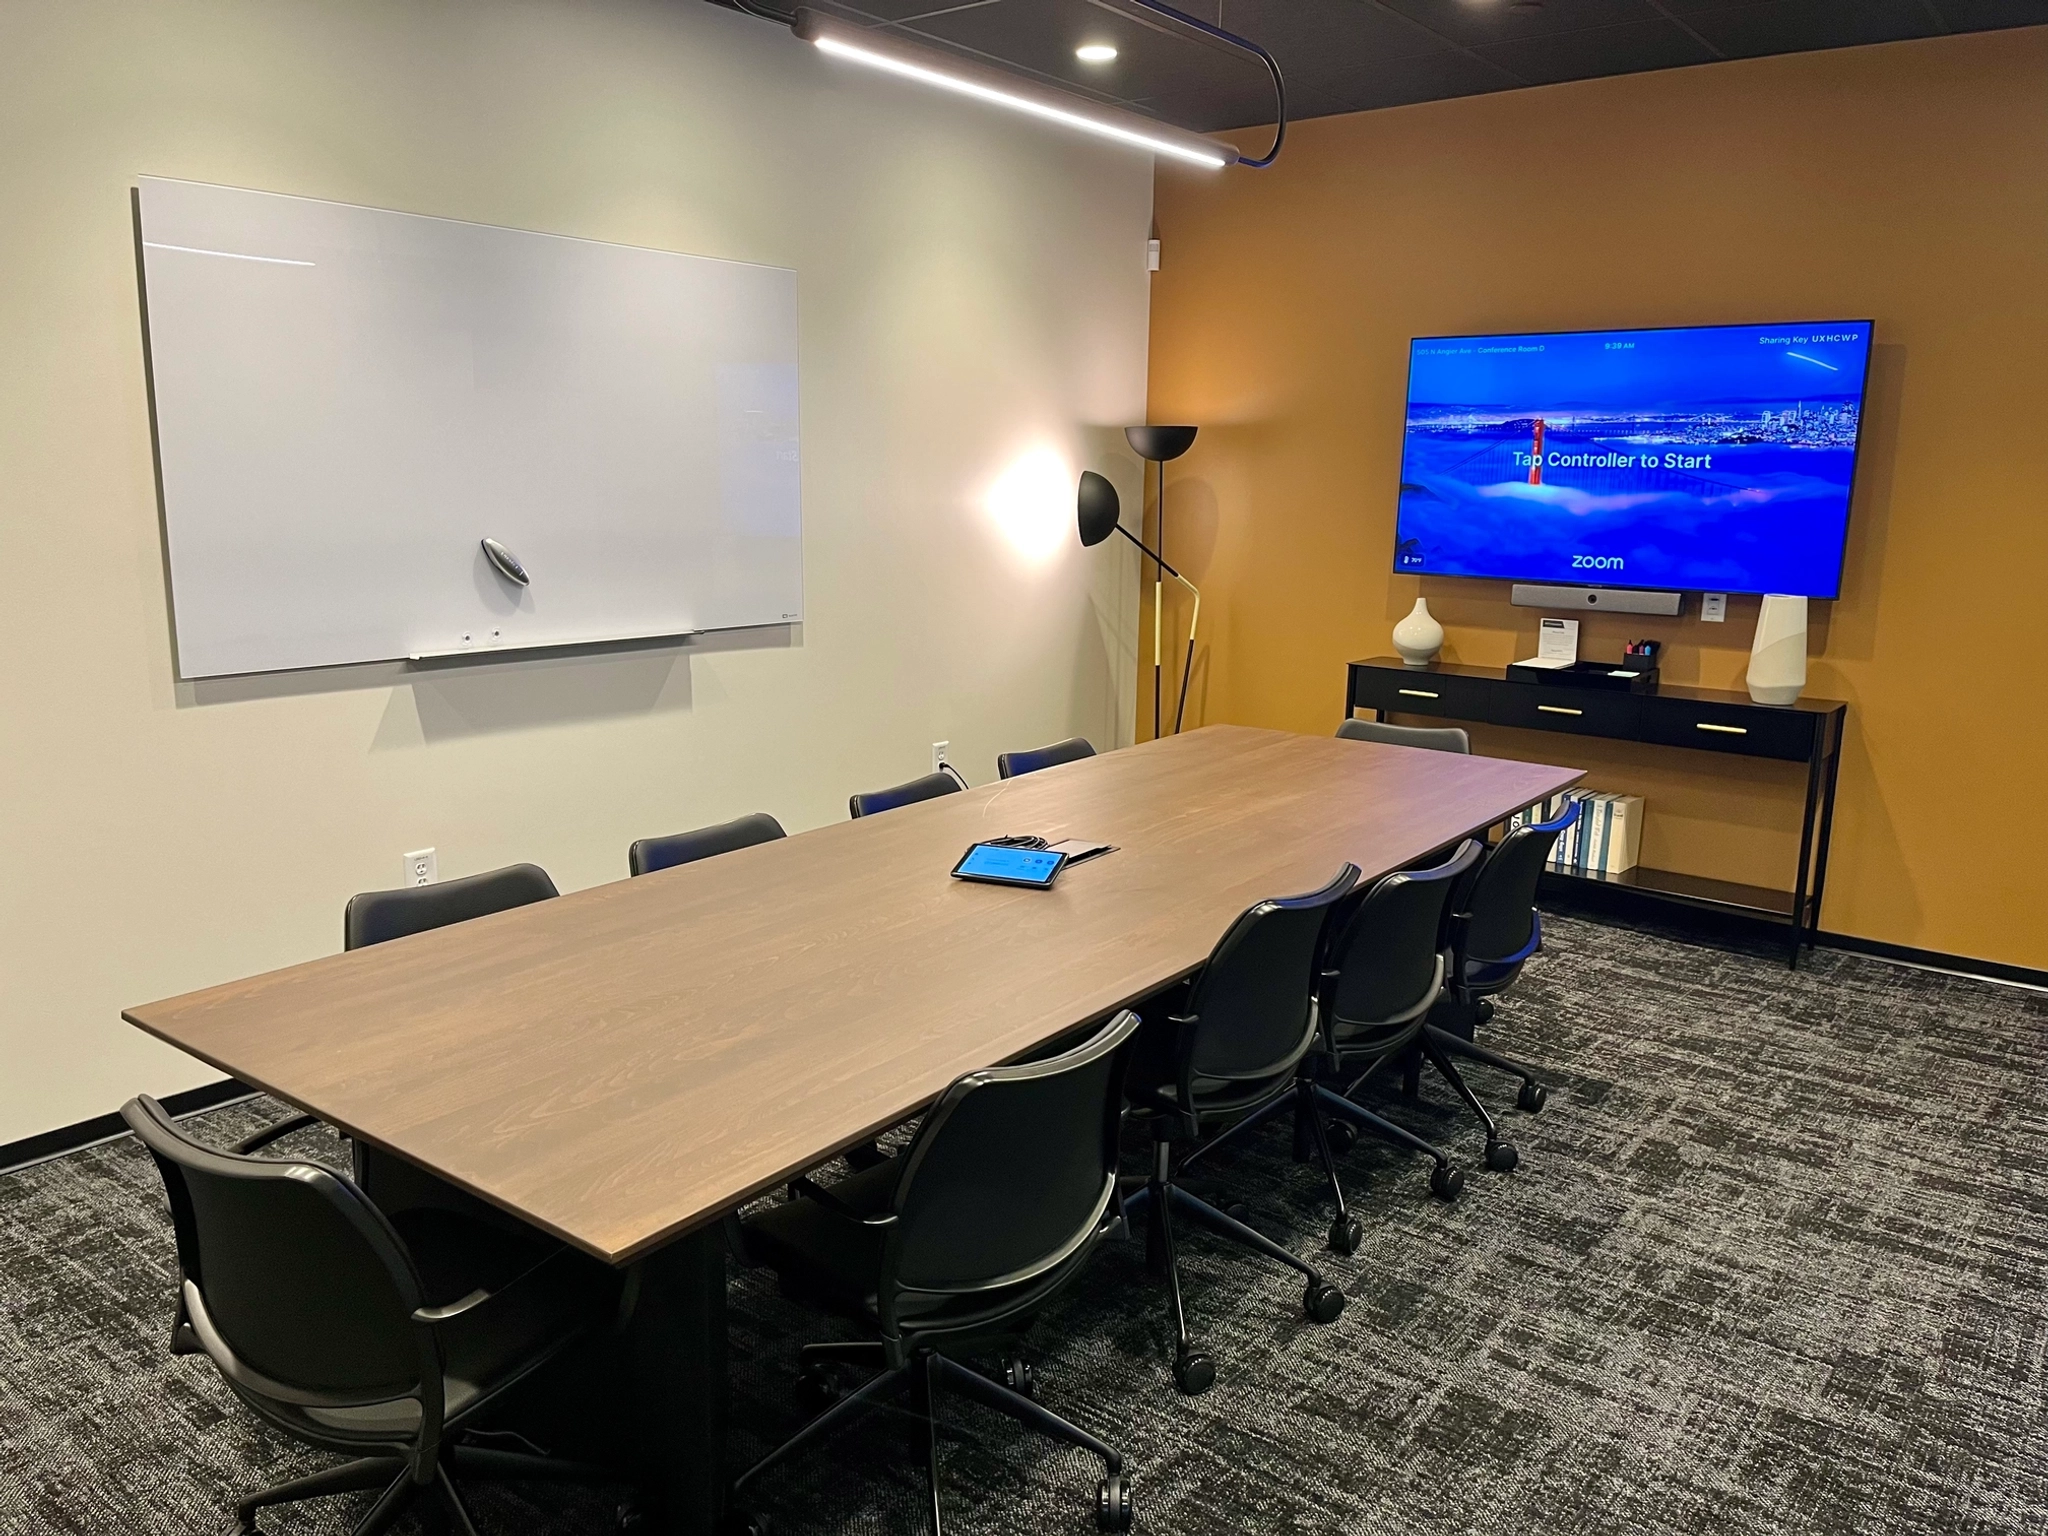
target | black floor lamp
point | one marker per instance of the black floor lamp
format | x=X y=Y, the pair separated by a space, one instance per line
x=1155 y=445
x=1099 y=512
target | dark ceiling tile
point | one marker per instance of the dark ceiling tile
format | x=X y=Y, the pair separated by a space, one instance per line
x=1622 y=50
x=1474 y=22
x=1758 y=27
x=1373 y=83
x=1988 y=15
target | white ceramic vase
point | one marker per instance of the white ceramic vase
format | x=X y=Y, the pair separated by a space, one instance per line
x=1419 y=637
x=1777 y=656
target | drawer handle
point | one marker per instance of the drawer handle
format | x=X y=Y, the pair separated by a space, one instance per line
x=1418 y=693
x=1726 y=730
x=1558 y=709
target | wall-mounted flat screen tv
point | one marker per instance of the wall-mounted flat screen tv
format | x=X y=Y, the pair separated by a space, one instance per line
x=1705 y=459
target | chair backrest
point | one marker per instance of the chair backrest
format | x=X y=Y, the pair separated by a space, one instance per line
x=1431 y=738
x=1383 y=962
x=1011 y=764
x=375 y=916
x=1497 y=913
x=1011 y=1171
x=930 y=787
x=295 y=1284
x=652 y=853
x=1250 y=1000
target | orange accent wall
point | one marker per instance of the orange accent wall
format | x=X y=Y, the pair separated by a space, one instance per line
x=1906 y=182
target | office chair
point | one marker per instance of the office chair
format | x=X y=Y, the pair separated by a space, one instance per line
x=1010 y=765
x=1431 y=738
x=929 y=787
x=1232 y=1048
x=652 y=853
x=1383 y=970
x=354 y=1334
x=1494 y=929
x=949 y=1248
x=373 y=917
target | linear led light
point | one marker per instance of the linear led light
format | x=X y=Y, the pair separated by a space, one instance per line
x=931 y=67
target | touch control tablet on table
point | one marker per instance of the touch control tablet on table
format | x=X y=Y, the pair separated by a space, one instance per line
x=998 y=865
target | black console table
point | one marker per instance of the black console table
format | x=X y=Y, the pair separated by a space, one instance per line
x=1706 y=719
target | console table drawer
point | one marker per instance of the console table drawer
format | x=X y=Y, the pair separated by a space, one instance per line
x=1752 y=732
x=1536 y=707
x=1422 y=692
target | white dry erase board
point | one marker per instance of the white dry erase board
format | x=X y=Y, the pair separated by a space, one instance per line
x=350 y=401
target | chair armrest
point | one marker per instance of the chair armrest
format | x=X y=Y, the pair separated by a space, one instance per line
x=277 y=1132
x=811 y=1190
x=479 y=1296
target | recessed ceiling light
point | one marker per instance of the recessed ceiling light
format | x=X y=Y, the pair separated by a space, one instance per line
x=1095 y=53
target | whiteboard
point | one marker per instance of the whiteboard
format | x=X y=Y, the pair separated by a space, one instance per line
x=348 y=401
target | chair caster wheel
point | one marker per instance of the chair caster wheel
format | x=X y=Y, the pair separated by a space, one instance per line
x=1531 y=1097
x=1323 y=1302
x=1501 y=1156
x=816 y=1391
x=630 y=1518
x=1237 y=1210
x=1446 y=1182
x=1346 y=1233
x=1343 y=1136
x=1482 y=1011
x=1019 y=1377
x=1194 y=1373
x=739 y=1523
x=1113 y=1511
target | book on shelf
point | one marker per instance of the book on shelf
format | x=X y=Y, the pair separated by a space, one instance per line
x=1606 y=838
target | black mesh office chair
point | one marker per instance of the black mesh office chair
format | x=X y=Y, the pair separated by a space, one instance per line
x=1494 y=930
x=1230 y=1048
x=652 y=853
x=373 y=917
x=930 y=787
x=949 y=1248
x=1431 y=738
x=1010 y=765
x=356 y=1334
x=1383 y=970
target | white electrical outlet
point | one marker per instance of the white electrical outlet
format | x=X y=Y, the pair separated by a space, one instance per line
x=421 y=868
x=939 y=758
x=1713 y=607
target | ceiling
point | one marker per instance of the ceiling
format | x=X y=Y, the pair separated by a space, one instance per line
x=1353 y=55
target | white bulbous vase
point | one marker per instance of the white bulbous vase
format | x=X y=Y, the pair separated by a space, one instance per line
x=1777 y=656
x=1419 y=637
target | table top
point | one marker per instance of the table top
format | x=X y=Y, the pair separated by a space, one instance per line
x=620 y=1065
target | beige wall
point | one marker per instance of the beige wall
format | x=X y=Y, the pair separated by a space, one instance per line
x=972 y=290
x=1907 y=183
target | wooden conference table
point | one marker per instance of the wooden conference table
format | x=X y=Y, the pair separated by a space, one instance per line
x=622 y=1066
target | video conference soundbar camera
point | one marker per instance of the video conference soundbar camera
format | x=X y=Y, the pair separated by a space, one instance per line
x=1590 y=465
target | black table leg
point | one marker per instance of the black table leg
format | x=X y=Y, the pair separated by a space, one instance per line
x=673 y=1368
x=1800 y=928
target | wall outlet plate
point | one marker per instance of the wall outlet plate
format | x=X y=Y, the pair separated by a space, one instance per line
x=939 y=758
x=421 y=867
x=1713 y=607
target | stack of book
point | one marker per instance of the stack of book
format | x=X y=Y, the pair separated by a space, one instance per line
x=1606 y=839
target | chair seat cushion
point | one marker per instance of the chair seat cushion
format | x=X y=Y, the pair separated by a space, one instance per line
x=821 y=1254
x=543 y=1297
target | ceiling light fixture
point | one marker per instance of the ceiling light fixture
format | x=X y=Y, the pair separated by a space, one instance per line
x=1095 y=53
x=929 y=66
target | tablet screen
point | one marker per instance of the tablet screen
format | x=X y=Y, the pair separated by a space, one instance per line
x=1029 y=866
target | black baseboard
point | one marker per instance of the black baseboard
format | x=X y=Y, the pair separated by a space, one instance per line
x=1934 y=959
x=69 y=1138
x=1760 y=936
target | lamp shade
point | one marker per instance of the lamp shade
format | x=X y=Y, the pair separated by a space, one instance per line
x=1158 y=444
x=1098 y=508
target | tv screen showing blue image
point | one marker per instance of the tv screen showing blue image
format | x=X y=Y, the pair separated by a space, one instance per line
x=1707 y=459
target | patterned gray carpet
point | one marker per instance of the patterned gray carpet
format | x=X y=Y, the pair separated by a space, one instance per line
x=1775 y=1261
